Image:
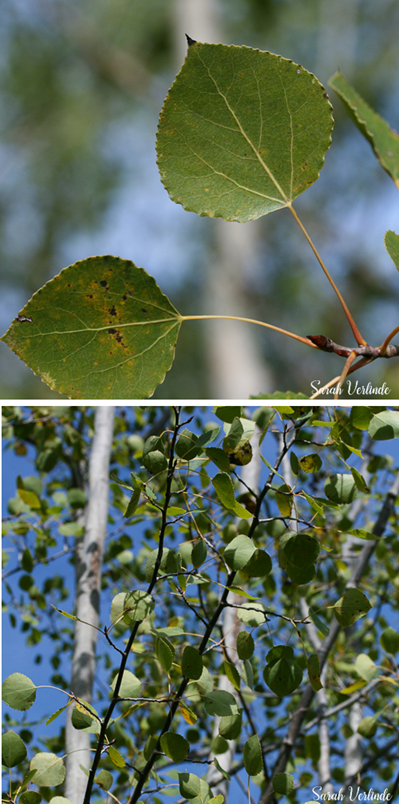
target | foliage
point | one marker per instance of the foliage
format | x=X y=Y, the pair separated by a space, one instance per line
x=247 y=144
x=170 y=566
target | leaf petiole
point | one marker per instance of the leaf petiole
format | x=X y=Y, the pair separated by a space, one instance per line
x=250 y=321
x=359 y=338
x=383 y=347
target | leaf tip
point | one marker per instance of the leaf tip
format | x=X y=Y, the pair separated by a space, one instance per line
x=190 y=41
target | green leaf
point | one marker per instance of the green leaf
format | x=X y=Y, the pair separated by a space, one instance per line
x=50 y=769
x=192 y=663
x=310 y=463
x=383 y=140
x=245 y=645
x=77 y=498
x=232 y=674
x=104 y=779
x=302 y=550
x=230 y=726
x=133 y=503
x=189 y=785
x=225 y=491
x=242 y=132
x=223 y=772
x=235 y=432
x=360 y=533
x=314 y=672
x=283 y=783
x=219 y=458
x=29 y=498
x=367 y=727
x=155 y=462
x=391 y=241
x=360 y=481
x=60 y=800
x=130 y=686
x=56 y=714
x=389 y=640
x=360 y=417
x=18 y=691
x=165 y=652
x=199 y=553
x=27 y=560
x=101 y=329
x=239 y=551
x=139 y=605
x=186 y=445
x=300 y=576
x=284 y=500
x=116 y=758
x=82 y=720
x=228 y=413
x=318 y=622
x=340 y=488
x=13 y=749
x=247 y=674
x=32 y=797
x=384 y=425
x=259 y=565
x=251 y=614
x=174 y=746
x=282 y=674
x=253 y=756
x=312 y=747
x=220 y=702
x=351 y=606
x=365 y=667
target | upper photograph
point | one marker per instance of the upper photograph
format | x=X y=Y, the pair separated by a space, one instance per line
x=199 y=199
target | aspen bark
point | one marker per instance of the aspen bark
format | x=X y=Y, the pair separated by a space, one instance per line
x=89 y=554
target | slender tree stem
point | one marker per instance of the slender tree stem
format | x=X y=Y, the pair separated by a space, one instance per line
x=348 y=363
x=358 y=336
x=388 y=339
x=251 y=321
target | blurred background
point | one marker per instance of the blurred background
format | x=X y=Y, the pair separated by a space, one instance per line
x=82 y=85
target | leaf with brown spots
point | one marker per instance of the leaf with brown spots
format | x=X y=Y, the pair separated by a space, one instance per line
x=101 y=329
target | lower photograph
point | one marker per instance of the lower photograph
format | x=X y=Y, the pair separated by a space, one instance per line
x=200 y=604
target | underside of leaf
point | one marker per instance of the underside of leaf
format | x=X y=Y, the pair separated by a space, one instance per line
x=242 y=132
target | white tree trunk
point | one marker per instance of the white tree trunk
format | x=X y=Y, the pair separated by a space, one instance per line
x=89 y=554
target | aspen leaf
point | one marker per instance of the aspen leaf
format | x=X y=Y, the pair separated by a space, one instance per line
x=350 y=607
x=383 y=140
x=242 y=132
x=174 y=746
x=283 y=783
x=253 y=756
x=391 y=241
x=18 y=691
x=13 y=749
x=50 y=769
x=101 y=329
x=192 y=663
x=314 y=672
